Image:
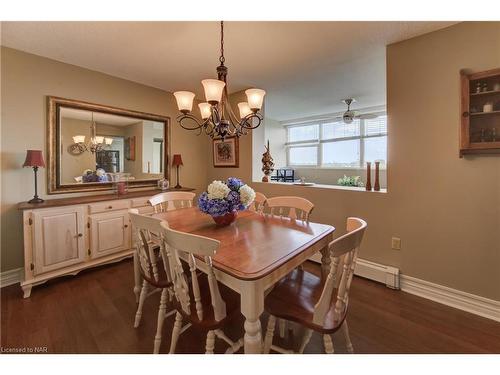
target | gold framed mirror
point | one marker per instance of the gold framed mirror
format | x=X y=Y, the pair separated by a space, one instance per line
x=88 y=143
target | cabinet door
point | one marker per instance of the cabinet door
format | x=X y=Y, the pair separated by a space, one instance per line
x=58 y=238
x=109 y=233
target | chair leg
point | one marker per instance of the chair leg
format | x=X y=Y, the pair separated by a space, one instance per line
x=210 y=344
x=176 y=332
x=327 y=341
x=161 y=318
x=268 y=341
x=142 y=298
x=282 y=327
x=305 y=340
x=345 y=330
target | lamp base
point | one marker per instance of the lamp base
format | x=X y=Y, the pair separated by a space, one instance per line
x=177 y=186
x=36 y=200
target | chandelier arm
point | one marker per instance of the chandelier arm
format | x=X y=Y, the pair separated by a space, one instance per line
x=247 y=121
x=182 y=118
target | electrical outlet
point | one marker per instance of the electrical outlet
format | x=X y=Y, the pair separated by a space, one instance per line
x=396 y=243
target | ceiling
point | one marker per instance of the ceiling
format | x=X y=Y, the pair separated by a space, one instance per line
x=305 y=67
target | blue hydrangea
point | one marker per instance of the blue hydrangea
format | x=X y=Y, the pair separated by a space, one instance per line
x=233 y=199
x=234 y=183
x=213 y=207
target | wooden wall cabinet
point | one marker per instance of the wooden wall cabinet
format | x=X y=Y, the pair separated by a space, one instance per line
x=65 y=236
x=480 y=113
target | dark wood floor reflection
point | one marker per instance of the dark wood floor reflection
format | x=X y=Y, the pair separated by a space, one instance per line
x=94 y=313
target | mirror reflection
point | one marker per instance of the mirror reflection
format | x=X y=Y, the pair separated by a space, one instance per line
x=95 y=144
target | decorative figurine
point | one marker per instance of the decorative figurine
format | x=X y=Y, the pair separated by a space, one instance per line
x=368 y=176
x=267 y=164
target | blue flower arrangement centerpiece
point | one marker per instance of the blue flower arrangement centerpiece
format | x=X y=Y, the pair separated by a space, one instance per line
x=223 y=200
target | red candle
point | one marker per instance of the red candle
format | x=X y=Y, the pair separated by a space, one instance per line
x=121 y=187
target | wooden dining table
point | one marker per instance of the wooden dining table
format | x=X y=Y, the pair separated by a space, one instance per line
x=255 y=252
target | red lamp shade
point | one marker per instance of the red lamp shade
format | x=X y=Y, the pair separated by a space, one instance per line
x=177 y=160
x=34 y=158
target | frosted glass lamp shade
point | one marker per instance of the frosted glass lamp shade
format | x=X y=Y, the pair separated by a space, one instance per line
x=244 y=109
x=205 y=110
x=79 y=139
x=184 y=100
x=255 y=98
x=98 y=140
x=213 y=90
x=108 y=141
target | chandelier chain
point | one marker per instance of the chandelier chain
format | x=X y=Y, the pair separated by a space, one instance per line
x=222 y=59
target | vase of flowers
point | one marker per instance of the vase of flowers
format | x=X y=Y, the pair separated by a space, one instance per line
x=223 y=200
x=99 y=175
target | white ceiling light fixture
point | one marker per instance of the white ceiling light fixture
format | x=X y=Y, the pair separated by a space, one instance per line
x=350 y=115
x=217 y=117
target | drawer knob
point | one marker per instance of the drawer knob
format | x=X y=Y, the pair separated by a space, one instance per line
x=109 y=207
x=125 y=226
x=80 y=234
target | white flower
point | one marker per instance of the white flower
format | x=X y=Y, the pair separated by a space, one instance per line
x=217 y=190
x=100 y=172
x=247 y=195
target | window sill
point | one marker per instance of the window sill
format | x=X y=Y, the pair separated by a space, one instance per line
x=322 y=186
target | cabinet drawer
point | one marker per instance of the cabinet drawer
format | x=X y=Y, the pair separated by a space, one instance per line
x=109 y=206
x=140 y=202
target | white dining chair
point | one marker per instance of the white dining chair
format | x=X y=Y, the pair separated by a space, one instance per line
x=154 y=269
x=292 y=207
x=302 y=297
x=297 y=208
x=258 y=203
x=200 y=299
x=171 y=200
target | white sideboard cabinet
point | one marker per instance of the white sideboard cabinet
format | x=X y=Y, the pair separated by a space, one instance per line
x=65 y=236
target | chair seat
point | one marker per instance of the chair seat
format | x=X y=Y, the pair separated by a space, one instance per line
x=231 y=298
x=293 y=298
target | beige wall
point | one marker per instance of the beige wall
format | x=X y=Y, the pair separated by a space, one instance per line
x=26 y=80
x=446 y=210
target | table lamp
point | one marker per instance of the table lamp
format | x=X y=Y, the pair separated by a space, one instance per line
x=34 y=158
x=177 y=162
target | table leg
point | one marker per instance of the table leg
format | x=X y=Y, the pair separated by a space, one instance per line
x=252 y=306
x=137 y=279
x=325 y=262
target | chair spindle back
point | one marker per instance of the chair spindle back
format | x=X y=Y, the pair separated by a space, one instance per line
x=171 y=200
x=149 y=260
x=297 y=207
x=194 y=246
x=258 y=203
x=343 y=253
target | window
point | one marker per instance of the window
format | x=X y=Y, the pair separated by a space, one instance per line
x=334 y=144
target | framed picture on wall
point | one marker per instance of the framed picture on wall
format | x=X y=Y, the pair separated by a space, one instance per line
x=130 y=148
x=226 y=153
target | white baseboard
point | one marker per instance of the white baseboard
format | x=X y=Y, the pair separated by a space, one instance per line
x=390 y=276
x=472 y=303
x=11 y=277
x=373 y=271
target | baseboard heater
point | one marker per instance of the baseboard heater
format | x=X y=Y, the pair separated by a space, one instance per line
x=373 y=271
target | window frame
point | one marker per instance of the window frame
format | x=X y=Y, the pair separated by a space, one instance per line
x=320 y=141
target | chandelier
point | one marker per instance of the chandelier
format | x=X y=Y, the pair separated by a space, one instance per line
x=217 y=117
x=96 y=144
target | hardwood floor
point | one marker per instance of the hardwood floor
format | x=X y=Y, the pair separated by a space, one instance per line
x=94 y=313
